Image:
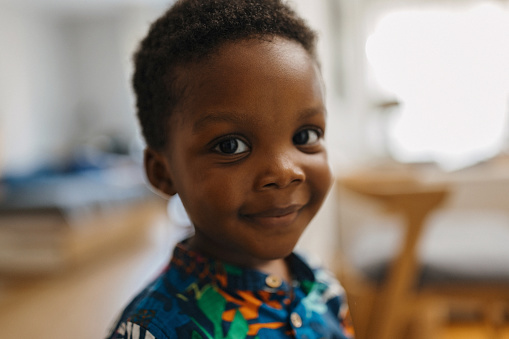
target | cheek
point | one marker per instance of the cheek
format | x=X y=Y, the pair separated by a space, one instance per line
x=216 y=193
x=320 y=175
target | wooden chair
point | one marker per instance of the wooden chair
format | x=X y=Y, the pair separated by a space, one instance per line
x=399 y=298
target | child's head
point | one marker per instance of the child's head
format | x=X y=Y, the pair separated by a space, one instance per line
x=230 y=101
x=190 y=32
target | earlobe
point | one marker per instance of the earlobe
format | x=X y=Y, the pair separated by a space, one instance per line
x=158 y=172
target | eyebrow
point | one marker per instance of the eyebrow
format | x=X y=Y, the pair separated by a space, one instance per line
x=236 y=118
x=231 y=117
x=308 y=113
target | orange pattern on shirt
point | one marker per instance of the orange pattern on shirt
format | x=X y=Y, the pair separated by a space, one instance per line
x=248 y=307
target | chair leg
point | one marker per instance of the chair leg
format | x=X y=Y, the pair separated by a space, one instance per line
x=389 y=317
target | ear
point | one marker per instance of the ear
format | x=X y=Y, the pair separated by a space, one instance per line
x=158 y=172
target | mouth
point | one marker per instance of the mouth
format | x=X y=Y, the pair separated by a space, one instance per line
x=275 y=217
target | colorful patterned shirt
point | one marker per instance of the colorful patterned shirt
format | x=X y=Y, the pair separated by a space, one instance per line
x=199 y=298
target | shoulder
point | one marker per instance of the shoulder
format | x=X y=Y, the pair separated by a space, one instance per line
x=176 y=305
x=148 y=314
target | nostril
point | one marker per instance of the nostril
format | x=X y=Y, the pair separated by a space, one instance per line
x=269 y=185
x=280 y=172
x=281 y=184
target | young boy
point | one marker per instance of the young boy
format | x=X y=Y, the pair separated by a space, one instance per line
x=230 y=100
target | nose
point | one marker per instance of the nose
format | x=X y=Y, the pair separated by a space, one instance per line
x=279 y=171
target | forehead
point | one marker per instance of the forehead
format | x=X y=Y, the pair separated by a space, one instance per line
x=250 y=76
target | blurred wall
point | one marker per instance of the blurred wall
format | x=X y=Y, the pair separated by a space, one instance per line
x=31 y=88
x=65 y=80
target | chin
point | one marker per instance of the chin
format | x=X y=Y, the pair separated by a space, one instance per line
x=273 y=251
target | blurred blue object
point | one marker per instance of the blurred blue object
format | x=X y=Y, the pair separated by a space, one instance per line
x=78 y=184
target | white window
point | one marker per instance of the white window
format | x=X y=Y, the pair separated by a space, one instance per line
x=449 y=69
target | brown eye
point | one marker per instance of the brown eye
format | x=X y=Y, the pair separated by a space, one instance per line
x=306 y=137
x=231 y=146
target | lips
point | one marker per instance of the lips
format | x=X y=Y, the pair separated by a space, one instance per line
x=274 y=217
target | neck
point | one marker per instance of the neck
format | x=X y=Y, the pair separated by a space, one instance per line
x=278 y=267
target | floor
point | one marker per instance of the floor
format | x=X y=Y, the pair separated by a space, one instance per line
x=82 y=302
x=472 y=331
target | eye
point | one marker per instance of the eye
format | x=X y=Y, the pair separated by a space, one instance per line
x=231 y=145
x=306 y=137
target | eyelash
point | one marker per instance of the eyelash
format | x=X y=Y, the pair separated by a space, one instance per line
x=318 y=135
x=238 y=143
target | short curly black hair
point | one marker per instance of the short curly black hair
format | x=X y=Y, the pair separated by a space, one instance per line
x=188 y=32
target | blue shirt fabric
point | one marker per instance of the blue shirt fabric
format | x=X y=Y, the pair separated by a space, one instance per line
x=200 y=298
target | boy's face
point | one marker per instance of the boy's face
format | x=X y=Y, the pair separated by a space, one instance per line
x=246 y=151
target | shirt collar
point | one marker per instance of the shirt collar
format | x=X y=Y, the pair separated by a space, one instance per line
x=230 y=277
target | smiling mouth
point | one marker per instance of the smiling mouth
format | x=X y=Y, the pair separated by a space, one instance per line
x=275 y=217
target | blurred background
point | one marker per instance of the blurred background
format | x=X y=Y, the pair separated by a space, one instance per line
x=417 y=95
